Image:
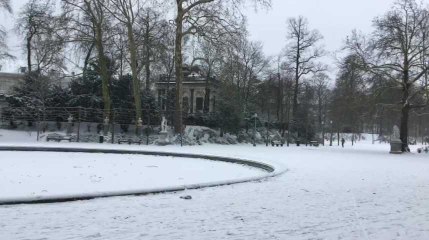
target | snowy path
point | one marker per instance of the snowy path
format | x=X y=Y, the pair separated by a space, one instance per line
x=329 y=193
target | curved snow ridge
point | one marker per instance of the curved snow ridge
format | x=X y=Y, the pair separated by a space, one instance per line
x=270 y=171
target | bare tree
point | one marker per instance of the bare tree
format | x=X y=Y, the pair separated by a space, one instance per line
x=253 y=63
x=4 y=4
x=203 y=18
x=90 y=22
x=320 y=83
x=165 y=54
x=153 y=31
x=127 y=12
x=395 y=51
x=43 y=44
x=303 y=51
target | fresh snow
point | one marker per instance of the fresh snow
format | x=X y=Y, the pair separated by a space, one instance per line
x=26 y=175
x=359 y=192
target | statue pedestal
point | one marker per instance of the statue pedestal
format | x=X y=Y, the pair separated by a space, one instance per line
x=69 y=129
x=163 y=139
x=396 y=147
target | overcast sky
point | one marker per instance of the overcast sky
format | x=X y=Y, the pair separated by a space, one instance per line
x=335 y=19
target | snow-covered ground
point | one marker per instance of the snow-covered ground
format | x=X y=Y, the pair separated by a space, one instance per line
x=38 y=174
x=359 y=192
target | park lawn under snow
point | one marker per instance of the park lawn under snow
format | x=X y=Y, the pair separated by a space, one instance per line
x=56 y=174
x=359 y=192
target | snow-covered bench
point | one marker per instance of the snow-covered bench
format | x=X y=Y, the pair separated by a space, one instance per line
x=314 y=143
x=276 y=143
x=129 y=141
x=58 y=138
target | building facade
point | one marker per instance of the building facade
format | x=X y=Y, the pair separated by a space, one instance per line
x=7 y=82
x=196 y=89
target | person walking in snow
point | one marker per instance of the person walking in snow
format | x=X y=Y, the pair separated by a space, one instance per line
x=342 y=142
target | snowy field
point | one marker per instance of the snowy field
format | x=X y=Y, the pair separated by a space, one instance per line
x=359 y=192
x=38 y=174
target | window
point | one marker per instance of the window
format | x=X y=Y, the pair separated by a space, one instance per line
x=185 y=105
x=200 y=103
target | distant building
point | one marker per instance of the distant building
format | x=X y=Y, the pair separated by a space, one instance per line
x=194 y=90
x=8 y=81
x=61 y=79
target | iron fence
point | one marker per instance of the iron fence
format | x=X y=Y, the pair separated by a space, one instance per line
x=87 y=124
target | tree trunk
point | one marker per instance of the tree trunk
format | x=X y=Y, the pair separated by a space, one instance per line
x=280 y=108
x=29 y=54
x=405 y=105
x=178 y=58
x=104 y=74
x=147 y=66
x=404 y=127
x=295 y=107
x=296 y=90
x=338 y=137
x=88 y=56
x=295 y=98
x=136 y=81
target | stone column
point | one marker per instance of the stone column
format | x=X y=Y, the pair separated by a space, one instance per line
x=206 y=104
x=192 y=101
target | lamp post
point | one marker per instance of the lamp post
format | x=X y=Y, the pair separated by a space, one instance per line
x=254 y=129
x=323 y=133
x=423 y=137
x=288 y=128
x=69 y=125
x=267 y=137
x=330 y=142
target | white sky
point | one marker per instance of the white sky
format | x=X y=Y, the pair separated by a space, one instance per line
x=335 y=19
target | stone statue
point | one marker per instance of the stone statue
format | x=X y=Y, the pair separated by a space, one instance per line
x=164 y=125
x=69 y=125
x=395 y=143
x=106 y=126
x=396 y=133
x=163 y=138
x=106 y=121
x=139 y=126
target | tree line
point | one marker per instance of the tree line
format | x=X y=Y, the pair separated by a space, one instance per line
x=382 y=76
